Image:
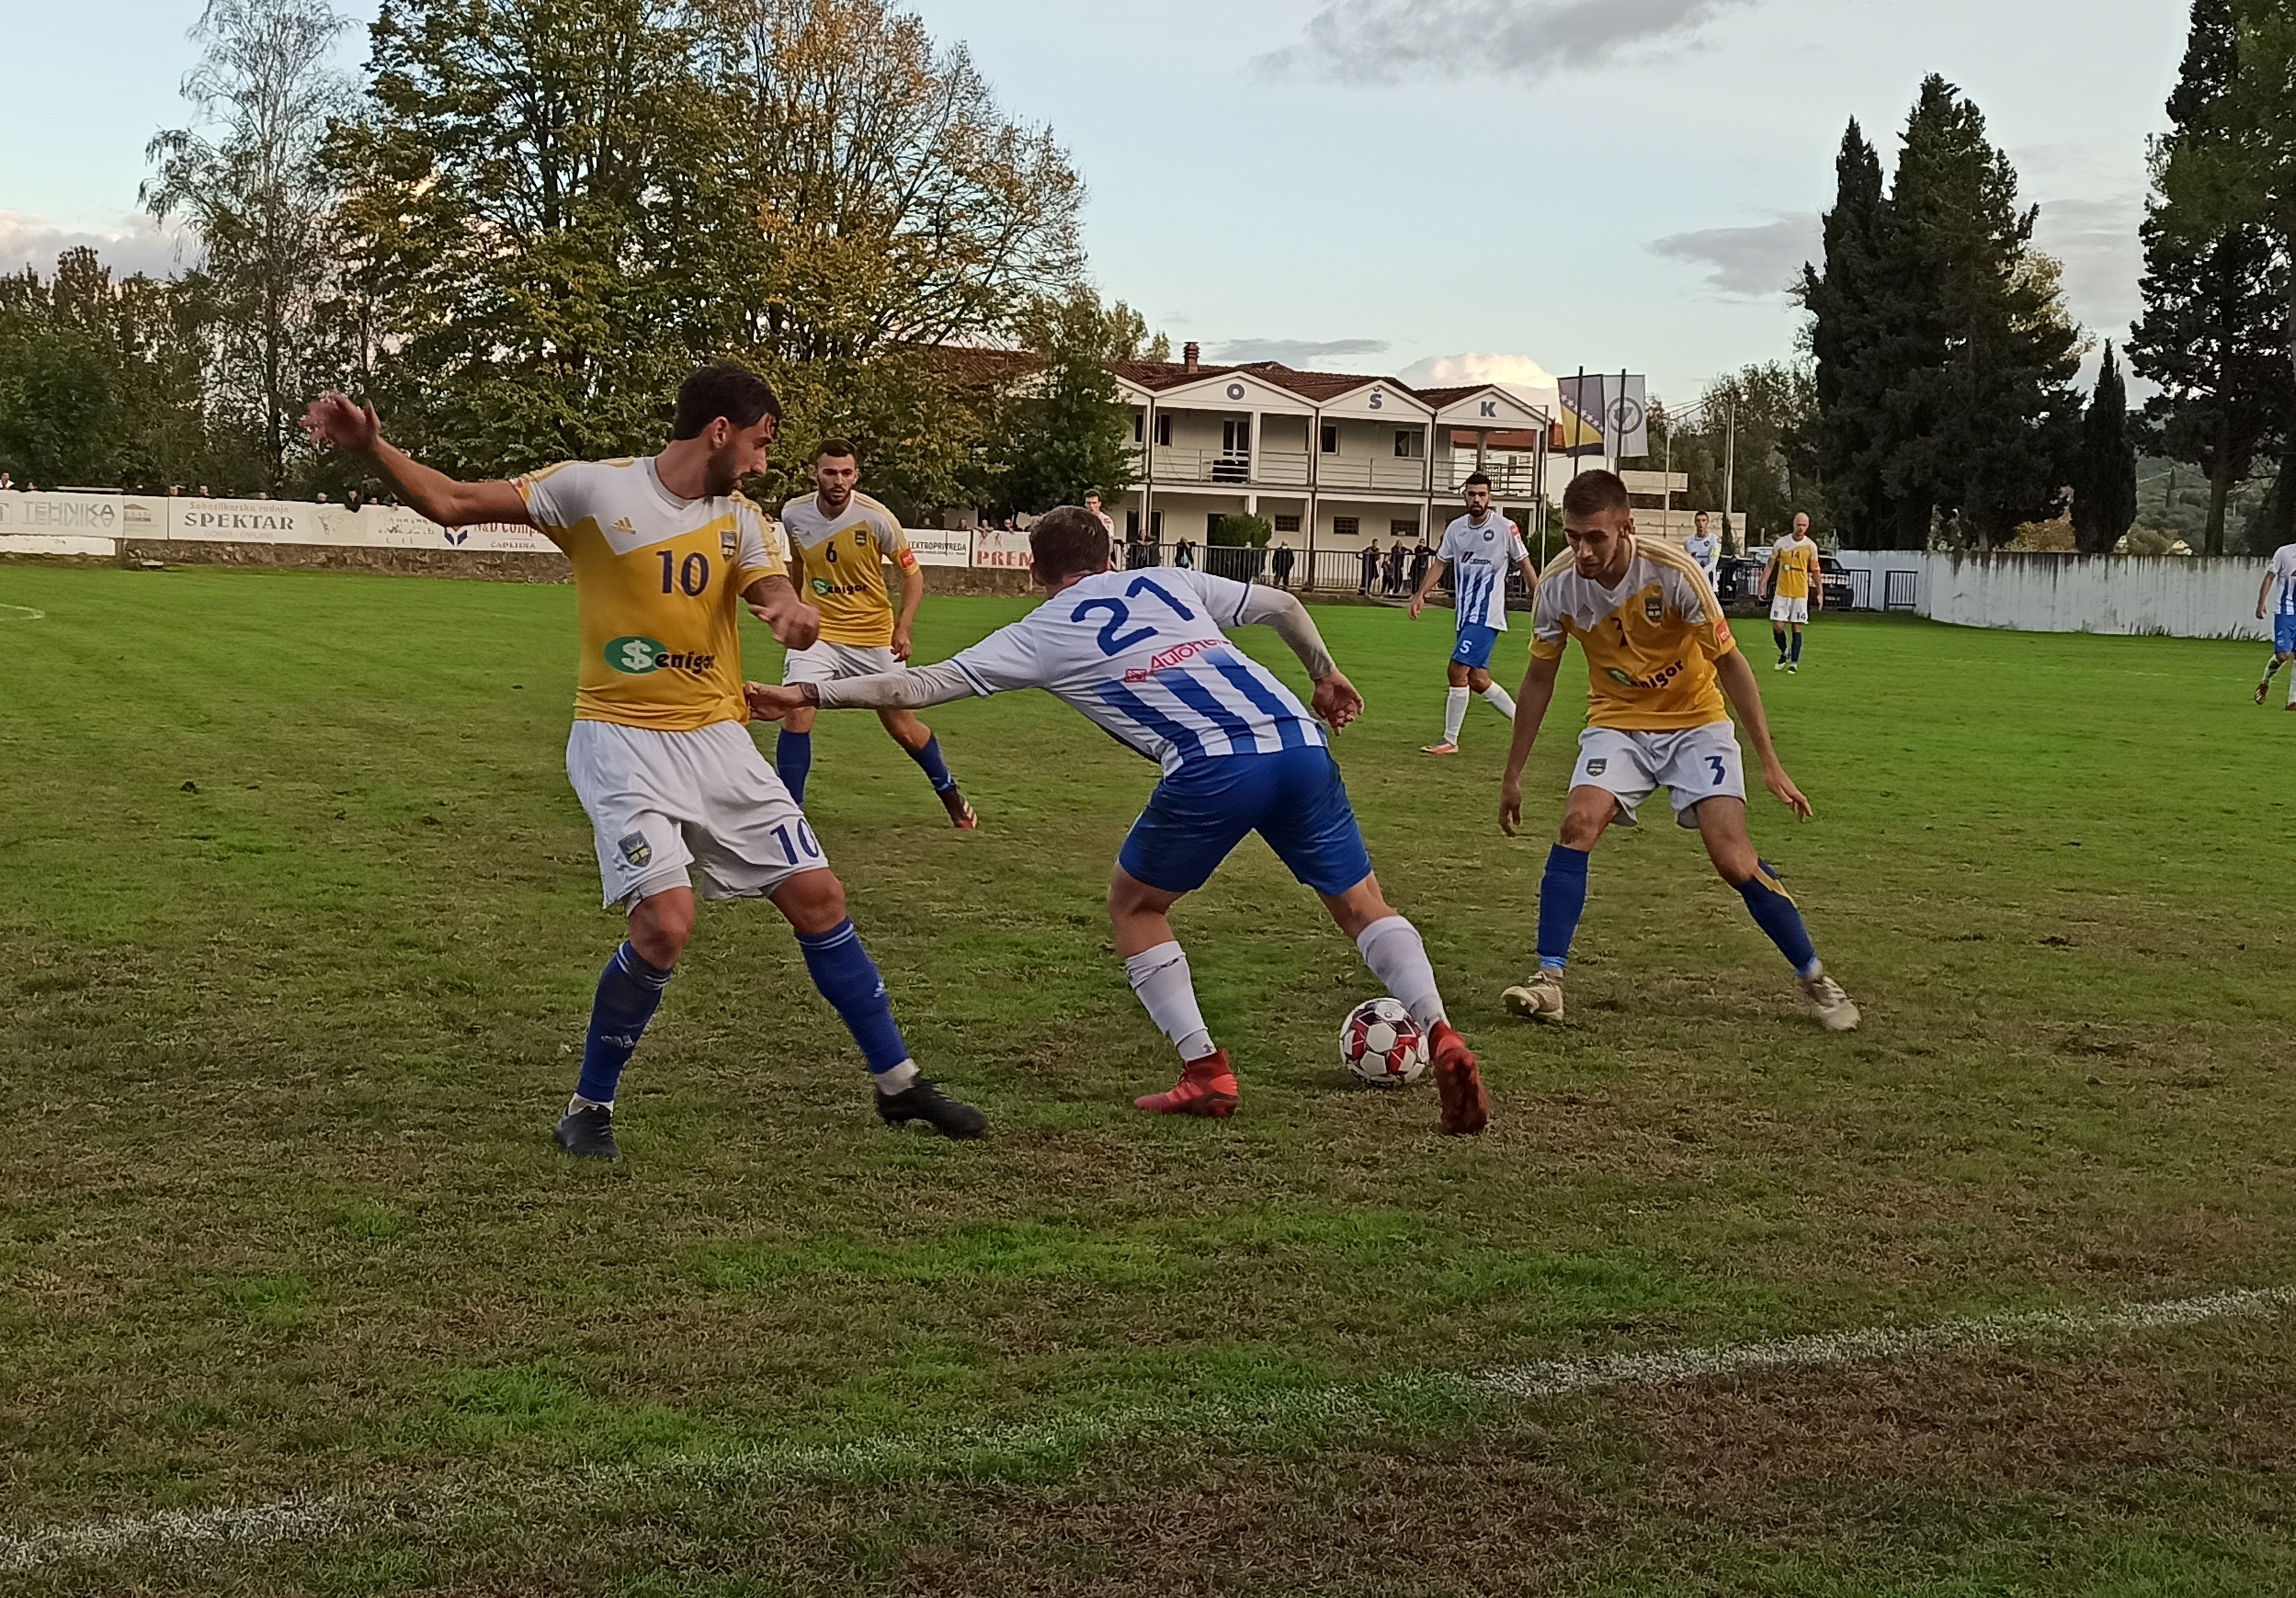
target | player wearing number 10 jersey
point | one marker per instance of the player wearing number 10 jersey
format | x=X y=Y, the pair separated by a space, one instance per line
x=665 y=554
x=1145 y=656
x=1660 y=659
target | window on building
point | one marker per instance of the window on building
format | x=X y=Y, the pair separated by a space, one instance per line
x=1286 y=524
x=1346 y=527
x=1404 y=529
x=1131 y=527
x=1235 y=435
x=1156 y=527
x=1410 y=444
x=1164 y=429
x=1331 y=437
x=1140 y=422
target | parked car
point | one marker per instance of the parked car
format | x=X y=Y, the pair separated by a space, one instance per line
x=1834 y=577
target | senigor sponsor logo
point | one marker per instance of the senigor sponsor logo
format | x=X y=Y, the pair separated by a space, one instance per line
x=637 y=657
x=1174 y=656
x=1657 y=679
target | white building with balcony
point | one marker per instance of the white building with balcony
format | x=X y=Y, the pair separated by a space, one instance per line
x=1334 y=460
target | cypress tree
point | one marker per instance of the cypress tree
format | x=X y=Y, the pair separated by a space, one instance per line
x=1846 y=305
x=2211 y=336
x=2104 y=482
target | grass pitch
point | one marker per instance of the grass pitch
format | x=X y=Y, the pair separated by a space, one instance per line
x=299 y=937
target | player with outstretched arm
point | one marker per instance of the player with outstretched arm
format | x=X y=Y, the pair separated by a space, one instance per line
x=1145 y=657
x=1660 y=662
x=1479 y=549
x=2278 y=591
x=665 y=554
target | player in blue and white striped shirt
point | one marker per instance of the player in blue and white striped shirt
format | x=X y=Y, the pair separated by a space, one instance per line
x=1478 y=549
x=1145 y=656
x=2280 y=592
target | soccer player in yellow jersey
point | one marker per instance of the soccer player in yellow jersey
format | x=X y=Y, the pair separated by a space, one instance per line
x=845 y=538
x=665 y=554
x=1660 y=662
x=1792 y=578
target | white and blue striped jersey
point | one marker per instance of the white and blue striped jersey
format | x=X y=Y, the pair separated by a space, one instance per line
x=2284 y=574
x=1480 y=557
x=1145 y=656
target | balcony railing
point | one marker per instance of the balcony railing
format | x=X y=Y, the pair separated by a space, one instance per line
x=1389 y=473
x=1509 y=478
x=1275 y=467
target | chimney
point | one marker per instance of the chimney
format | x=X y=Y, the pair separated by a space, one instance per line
x=1191 y=357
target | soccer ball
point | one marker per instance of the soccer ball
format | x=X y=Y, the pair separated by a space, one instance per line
x=1383 y=1045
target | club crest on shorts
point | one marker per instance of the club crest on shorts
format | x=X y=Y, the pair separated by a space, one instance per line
x=1596 y=766
x=635 y=849
x=1654 y=607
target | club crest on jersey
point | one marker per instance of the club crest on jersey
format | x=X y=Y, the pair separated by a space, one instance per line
x=1654 y=607
x=1598 y=767
x=635 y=849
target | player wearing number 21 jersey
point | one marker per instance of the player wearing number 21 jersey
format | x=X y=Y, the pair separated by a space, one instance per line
x=1660 y=662
x=1145 y=656
x=665 y=556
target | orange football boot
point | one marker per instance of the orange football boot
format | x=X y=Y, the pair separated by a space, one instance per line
x=1466 y=1106
x=1207 y=1087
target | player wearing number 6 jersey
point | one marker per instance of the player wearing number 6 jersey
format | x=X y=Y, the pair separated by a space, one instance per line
x=665 y=554
x=1660 y=660
x=1145 y=656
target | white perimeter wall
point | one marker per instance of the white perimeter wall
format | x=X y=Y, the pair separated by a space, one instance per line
x=94 y=524
x=2179 y=596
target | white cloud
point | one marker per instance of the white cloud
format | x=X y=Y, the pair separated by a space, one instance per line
x=1752 y=263
x=1518 y=374
x=1389 y=40
x=1301 y=353
x=2098 y=242
x=141 y=243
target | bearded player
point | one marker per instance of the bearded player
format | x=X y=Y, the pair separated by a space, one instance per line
x=845 y=538
x=1660 y=662
x=665 y=553
x=1480 y=547
x=1145 y=657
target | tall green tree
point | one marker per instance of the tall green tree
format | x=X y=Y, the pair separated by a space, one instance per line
x=247 y=178
x=101 y=382
x=2105 y=471
x=1065 y=431
x=1851 y=305
x=1747 y=444
x=2213 y=337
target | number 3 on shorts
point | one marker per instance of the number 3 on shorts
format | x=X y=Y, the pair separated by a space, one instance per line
x=1722 y=768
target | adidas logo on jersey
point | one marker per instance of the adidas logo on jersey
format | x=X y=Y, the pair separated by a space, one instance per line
x=625 y=529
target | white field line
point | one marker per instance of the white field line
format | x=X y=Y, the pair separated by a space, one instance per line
x=21 y=613
x=318 y=1519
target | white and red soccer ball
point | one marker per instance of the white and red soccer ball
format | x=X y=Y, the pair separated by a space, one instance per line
x=1383 y=1045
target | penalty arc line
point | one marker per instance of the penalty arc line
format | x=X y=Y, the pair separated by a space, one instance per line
x=317 y=1518
x=21 y=613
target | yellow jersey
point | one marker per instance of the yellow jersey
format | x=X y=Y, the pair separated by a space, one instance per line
x=658 y=581
x=845 y=558
x=1651 y=642
x=1797 y=563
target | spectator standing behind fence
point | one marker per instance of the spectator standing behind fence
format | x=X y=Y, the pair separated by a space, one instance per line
x=1184 y=555
x=1282 y=563
x=1418 y=566
x=1370 y=567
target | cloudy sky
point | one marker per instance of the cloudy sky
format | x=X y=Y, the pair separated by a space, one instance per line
x=1442 y=188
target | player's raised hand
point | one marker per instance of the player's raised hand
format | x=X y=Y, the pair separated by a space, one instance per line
x=341 y=422
x=1336 y=700
x=771 y=703
x=1774 y=777
x=1511 y=804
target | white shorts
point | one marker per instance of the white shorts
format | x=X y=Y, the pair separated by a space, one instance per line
x=830 y=662
x=660 y=801
x=1785 y=609
x=1695 y=764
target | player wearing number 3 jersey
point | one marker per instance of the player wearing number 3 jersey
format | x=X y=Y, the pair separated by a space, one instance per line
x=1145 y=656
x=1660 y=660
x=665 y=554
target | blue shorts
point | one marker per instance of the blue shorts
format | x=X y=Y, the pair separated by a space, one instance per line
x=1293 y=797
x=1474 y=646
x=2284 y=635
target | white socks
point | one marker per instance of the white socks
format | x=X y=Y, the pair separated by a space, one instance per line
x=1393 y=949
x=1455 y=713
x=1160 y=977
x=895 y=1078
x=1500 y=700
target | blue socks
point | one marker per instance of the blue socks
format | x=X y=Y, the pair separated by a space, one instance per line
x=1796 y=657
x=1562 y=900
x=793 y=761
x=1777 y=916
x=934 y=766
x=629 y=991
x=848 y=978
